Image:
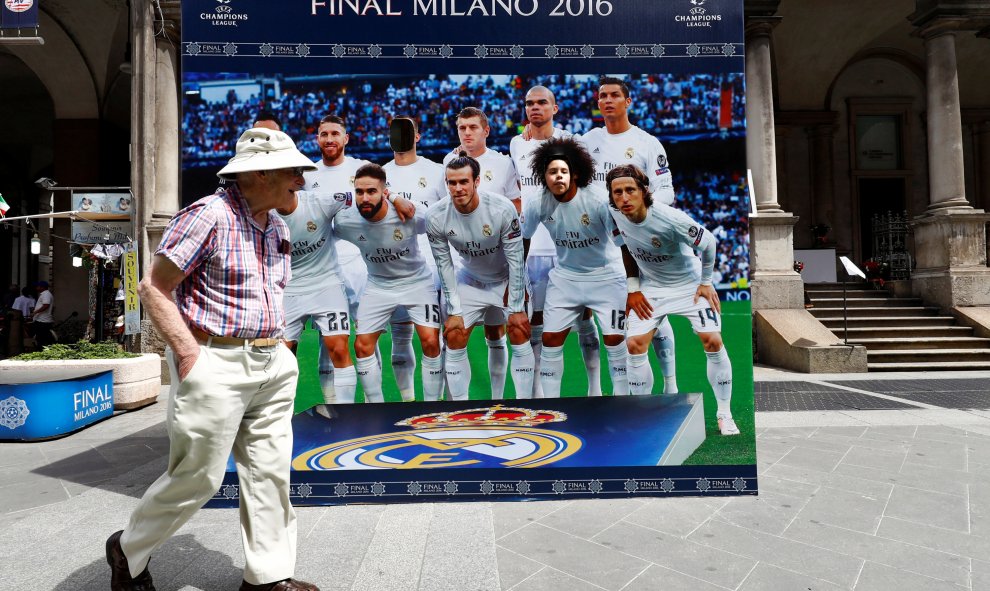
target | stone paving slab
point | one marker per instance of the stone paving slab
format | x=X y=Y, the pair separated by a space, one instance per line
x=787 y=554
x=857 y=500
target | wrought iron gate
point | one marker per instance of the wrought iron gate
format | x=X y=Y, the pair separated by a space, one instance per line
x=890 y=232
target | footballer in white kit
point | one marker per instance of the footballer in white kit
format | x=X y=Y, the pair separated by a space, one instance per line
x=662 y=241
x=336 y=176
x=316 y=290
x=484 y=228
x=397 y=279
x=421 y=181
x=620 y=143
x=578 y=219
x=497 y=175
x=541 y=105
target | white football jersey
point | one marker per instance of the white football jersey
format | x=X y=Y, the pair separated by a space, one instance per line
x=314 y=255
x=422 y=182
x=633 y=146
x=521 y=152
x=389 y=246
x=581 y=229
x=489 y=240
x=337 y=180
x=498 y=173
x=663 y=245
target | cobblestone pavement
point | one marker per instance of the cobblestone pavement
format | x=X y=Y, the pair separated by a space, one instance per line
x=868 y=481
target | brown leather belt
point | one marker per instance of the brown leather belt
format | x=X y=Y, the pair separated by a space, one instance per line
x=211 y=340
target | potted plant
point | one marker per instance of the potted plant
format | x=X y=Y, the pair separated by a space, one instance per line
x=877 y=273
x=136 y=378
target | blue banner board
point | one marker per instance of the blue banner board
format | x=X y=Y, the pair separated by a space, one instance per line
x=19 y=14
x=370 y=61
x=506 y=451
x=45 y=408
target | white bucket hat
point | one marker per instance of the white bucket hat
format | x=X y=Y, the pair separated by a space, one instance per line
x=264 y=149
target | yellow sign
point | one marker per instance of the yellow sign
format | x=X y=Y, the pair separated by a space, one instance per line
x=132 y=305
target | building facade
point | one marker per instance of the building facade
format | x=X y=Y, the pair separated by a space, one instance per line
x=853 y=110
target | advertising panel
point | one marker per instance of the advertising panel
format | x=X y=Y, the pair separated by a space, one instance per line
x=49 y=407
x=676 y=113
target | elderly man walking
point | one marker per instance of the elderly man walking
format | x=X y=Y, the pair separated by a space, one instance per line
x=233 y=381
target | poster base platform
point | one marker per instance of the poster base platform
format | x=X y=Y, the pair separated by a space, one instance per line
x=510 y=450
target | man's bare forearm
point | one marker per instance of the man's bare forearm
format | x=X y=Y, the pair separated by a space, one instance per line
x=165 y=316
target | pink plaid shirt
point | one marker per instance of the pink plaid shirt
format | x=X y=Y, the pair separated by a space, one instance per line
x=236 y=271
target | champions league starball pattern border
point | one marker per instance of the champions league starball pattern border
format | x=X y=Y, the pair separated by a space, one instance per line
x=640 y=36
x=325 y=489
x=407 y=51
x=413 y=35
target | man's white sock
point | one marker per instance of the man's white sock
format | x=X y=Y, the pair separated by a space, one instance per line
x=371 y=378
x=617 y=361
x=640 y=374
x=345 y=383
x=588 y=338
x=404 y=360
x=326 y=376
x=432 y=377
x=458 y=371
x=551 y=370
x=536 y=342
x=663 y=345
x=498 y=364
x=522 y=370
x=720 y=377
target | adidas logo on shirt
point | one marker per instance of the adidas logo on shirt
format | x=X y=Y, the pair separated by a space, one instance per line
x=597 y=151
x=362 y=238
x=452 y=233
x=316 y=185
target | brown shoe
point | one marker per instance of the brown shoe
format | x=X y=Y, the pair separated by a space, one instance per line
x=285 y=585
x=120 y=574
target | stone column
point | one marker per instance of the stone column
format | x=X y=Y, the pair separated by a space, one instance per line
x=775 y=284
x=760 y=137
x=946 y=168
x=950 y=238
x=154 y=140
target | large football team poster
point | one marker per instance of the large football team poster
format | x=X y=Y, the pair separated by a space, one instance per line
x=369 y=61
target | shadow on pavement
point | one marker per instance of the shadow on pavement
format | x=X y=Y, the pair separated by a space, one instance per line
x=101 y=466
x=181 y=563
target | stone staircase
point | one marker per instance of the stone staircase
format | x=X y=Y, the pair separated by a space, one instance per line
x=900 y=334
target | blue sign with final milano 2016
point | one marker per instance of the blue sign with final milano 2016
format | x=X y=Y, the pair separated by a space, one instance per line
x=321 y=37
x=43 y=408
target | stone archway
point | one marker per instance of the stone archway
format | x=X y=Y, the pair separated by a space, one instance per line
x=884 y=86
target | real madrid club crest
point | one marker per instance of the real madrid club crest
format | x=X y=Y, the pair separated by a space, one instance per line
x=397 y=235
x=486 y=230
x=585 y=219
x=493 y=436
x=489 y=176
x=630 y=153
x=311 y=226
x=656 y=242
x=422 y=182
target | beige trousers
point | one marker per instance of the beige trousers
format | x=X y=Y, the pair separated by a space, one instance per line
x=233 y=398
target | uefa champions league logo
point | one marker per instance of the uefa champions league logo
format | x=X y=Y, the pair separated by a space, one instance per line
x=13 y=412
